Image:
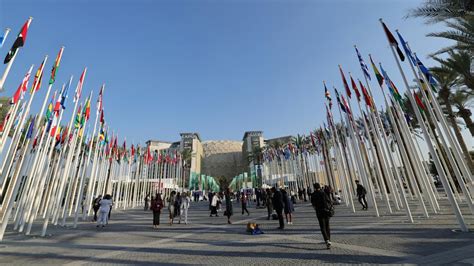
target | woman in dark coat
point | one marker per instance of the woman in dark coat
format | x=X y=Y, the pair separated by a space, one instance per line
x=228 y=205
x=321 y=204
x=156 y=206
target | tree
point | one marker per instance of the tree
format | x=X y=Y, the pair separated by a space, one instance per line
x=441 y=10
x=447 y=80
x=459 y=62
x=462 y=101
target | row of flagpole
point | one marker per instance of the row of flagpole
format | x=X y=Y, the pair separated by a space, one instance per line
x=51 y=173
x=359 y=148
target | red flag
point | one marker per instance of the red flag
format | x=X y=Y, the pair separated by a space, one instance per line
x=346 y=86
x=354 y=87
x=367 y=98
x=419 y=102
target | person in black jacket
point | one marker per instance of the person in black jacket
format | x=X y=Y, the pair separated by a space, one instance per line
x=361 y=195
x=278 y=205
x=321 y=202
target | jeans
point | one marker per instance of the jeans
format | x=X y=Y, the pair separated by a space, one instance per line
x=363 y=201
x=280 y=217
x=324 y=225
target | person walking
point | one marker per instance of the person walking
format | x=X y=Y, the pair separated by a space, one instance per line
x=156 y=206
x=177 y=207
x=96 y=207
x=244 y=204
x=278 y=205
x=269 y=204
x=147 y=200
x=361 y=192
x=228 y=205
x=214 y=202
x=288 y=207
x=324 y=210
x=105 y=205
x=171 y=206
x=185 y=203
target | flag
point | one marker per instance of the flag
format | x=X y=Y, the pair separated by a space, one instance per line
x=328 y=95
x=77 y=120
x=343 y=108
x=354 y=87
x=57 y=106
x=49 y=110
x=78 y=93
x=346 y=106
x=4 y=37
x=99 y=99
x=391 y=87
x=419 y=102
x=368 y=100
x=406 y=48
x=64 y=94
x=56 y=66
x=87 y=109
x=19 y=42
x=346 y=86
x=30 y=128
x=393 y=42
x=20 y=92
x=363 y=66
x=376 y=72
x=102 y=119
x=426 y=72
x=38 y=77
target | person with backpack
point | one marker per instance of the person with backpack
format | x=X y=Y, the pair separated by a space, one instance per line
x=361 y=192
x=324 y=211
x=156 y=206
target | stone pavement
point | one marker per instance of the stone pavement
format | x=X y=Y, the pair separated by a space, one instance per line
x=357 y=238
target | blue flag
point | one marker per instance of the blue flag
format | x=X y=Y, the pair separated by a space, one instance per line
x=29 y=134
x=406 y=49
x=364 y=67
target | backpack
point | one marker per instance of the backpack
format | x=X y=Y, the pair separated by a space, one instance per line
x=329 y=208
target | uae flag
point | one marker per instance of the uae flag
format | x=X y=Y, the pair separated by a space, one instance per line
x=393 y=42
x=19 y=42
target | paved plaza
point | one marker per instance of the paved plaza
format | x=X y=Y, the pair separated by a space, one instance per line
x=357 y=238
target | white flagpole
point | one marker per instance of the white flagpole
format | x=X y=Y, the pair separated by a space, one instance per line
x=448 y=191
x=12 y=190
x=5 y=35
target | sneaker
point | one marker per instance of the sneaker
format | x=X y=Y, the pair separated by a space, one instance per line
x=328 y=244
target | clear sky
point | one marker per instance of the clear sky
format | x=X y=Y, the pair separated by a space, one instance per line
x=219 y=68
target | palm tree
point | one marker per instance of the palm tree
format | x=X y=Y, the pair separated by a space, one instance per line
x=459 y=62
x=462 y=101
x=447 y=80
x=442 y=10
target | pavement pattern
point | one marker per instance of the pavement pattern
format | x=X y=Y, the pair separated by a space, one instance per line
x=358 y=237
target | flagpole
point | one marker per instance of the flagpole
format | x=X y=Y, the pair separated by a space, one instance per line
x=5 y=35
x=13 y=189
x=446 y=186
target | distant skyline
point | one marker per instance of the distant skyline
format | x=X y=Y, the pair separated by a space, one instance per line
x=218 y=68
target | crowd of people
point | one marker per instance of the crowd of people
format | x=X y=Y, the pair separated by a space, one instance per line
x=278 y=202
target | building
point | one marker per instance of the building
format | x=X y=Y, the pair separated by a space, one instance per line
x=219 y=158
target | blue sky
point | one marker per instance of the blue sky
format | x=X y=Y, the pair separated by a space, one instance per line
x=219 y=68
